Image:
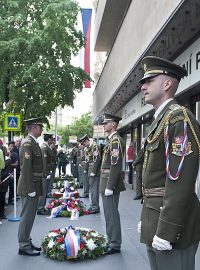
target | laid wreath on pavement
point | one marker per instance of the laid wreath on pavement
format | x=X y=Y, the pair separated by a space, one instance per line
x=64 y=178
x=65 y=207
x=74 y=243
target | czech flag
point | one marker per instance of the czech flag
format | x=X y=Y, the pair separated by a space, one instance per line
x=86 y=20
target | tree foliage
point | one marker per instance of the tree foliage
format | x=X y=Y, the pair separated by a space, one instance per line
x=78 y=128
x=37 y=41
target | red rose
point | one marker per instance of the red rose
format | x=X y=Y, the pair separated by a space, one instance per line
x=60 y=240
x=82 y=246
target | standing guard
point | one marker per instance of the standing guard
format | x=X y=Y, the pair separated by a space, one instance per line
x=47 y=171
x=94 y=163
x=30 y=185
x=170 y=219
x=111 y=182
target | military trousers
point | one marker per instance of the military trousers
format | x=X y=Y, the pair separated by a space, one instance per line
x=94 y=192
x=85 y=184
x=175 y=259
x=27 y=217
x=112 y=218
x=42 y=199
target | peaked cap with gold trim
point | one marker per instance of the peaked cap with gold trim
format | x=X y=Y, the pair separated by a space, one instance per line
x=109 y=117
x=154 y=66
x=83 y=139
x=34 y=121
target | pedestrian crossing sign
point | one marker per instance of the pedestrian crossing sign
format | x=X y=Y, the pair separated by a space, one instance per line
x=12 y=122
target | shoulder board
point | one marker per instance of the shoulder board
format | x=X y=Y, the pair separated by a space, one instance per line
x=115 y=139
x=26 y=144
x=175 y=107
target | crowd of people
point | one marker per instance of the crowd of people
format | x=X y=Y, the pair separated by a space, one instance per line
x=167 y=166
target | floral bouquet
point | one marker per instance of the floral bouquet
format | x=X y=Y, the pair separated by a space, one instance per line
x=63 y=207
x=73 y=243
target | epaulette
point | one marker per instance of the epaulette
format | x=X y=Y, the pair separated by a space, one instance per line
x=175 y=107
x=114 y=138
x=180 y=117
x=27 y=142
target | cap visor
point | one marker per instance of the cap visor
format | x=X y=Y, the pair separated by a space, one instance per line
x=147 y=76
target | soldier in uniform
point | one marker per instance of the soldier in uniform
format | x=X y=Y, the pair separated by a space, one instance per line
x=47 y=171
x=53 y=167
x=94 y=163
x=170 y=219
x=85 y=166
x=111 y=182
x=79 y=159
x=30 y=185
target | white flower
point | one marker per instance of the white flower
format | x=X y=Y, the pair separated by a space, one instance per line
x=62 y=246
x=63 y=230
x=90 y=244
x=52 y=234
x=94 y=234
x=51 y=244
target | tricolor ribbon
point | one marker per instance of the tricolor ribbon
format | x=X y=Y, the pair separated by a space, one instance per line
x=72 y=242
x=56 y=210
x=183 y=147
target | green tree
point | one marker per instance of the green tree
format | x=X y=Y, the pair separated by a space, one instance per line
x=37 y=41
x=78 y=128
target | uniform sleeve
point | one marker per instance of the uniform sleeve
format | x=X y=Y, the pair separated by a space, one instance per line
x=26 y=167
x=44 y=160
x=179 y=193
x=115 y=164
x=96 y=159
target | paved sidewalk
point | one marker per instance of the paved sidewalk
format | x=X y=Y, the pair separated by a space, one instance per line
x=132 y=257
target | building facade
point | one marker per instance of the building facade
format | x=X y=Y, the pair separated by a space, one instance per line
x=127 y=31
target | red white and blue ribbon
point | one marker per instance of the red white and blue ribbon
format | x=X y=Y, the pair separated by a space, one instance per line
x=72 y=242
x=56 y=210
x=183 y=147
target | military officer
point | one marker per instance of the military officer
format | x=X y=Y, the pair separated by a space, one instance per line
x=47 y=171
x=53 y=167
x=170 y=219
x=79 y=159
x=30 y=185
x=85 y=166
x=111 y=182
x=94 y=163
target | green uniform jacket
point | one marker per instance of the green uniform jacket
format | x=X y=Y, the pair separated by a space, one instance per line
x=47 y=159
x=176 y=215
x=112 y=160
x=30 y=179
x=94 y=159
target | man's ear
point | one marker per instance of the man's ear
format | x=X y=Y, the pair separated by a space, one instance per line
x=167 y=84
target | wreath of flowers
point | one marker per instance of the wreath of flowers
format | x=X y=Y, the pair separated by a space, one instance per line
x=63 y=178
x=70 y=204
x=91 y=244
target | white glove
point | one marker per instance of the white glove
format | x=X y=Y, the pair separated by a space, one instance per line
x=139 y=227
x=92 y=174
x=48 y=176
x=32 y=194
x=84 y=172
x=161 y=244
x=108 y=192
